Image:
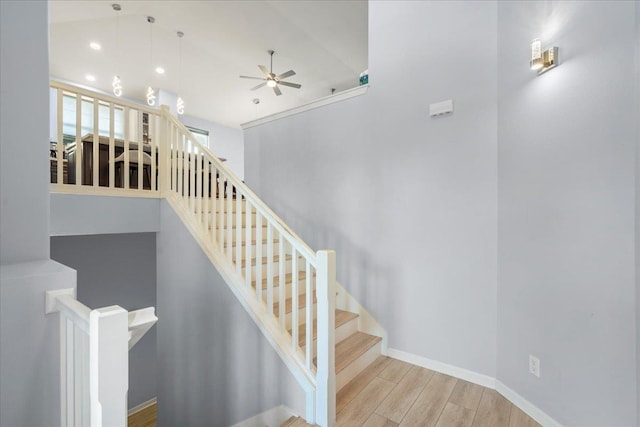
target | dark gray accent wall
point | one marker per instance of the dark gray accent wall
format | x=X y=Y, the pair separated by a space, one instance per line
x=118 y=269
x=409 y=203
x=215 y=366
x=566 y=142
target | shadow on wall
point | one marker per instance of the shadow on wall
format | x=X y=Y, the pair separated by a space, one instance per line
x=367 y=279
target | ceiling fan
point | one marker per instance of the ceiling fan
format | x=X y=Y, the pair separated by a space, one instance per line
x=272 y=80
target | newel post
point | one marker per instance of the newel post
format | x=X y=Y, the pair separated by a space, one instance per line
x=326 y=366
x=108 y=366
x=164 y=146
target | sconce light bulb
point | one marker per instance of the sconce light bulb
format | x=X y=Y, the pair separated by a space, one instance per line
x=536 y=55
x=180 y=106
x=151 y=96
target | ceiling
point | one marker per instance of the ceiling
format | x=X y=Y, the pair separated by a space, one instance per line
x=325 y=42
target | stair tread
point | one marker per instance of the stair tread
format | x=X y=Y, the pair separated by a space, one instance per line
x=302 y=275
x=296 y=422
x=288 y=304
x=253 y=242
x=342 y=317
x=352 y=348
x=276 y=258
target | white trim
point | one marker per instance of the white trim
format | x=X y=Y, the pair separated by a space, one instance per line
x=481 y=379
x=340 y=96
x=527 y=407
x=103 y=191
x=454 y=371
x=272 y=417
x=143 y=405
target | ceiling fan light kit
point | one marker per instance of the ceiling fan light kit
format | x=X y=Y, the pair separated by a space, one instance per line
x=272 y=80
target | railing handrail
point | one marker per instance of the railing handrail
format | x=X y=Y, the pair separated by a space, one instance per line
x=74 y=310
x=102 y=97
x=260 y=206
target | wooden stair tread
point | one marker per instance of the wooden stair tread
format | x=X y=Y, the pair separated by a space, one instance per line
x=342 y=317
x=302 y=275
x=253 y=242
x=296 y=422
x=276 y=258
x=288 y=305
x=352 y=348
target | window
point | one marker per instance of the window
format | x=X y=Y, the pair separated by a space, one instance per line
x=202 y=136
x=86 y=119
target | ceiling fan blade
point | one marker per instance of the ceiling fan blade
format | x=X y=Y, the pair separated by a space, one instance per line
x=285 y=75
x=296 y=85
x=259 y=86
x=255 y=78
x=264 y=70
x=276 y=89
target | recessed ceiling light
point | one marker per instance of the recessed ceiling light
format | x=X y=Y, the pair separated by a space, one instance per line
x=159 y=70
x=90 y=77
x=95 y=46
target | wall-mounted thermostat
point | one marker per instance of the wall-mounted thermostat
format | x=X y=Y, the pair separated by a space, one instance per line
x=441 y=108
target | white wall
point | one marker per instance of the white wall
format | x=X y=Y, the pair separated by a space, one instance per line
x=408 y=202
x=566 y=210
x=24 y=132
x=217 y=367
x=224 y=142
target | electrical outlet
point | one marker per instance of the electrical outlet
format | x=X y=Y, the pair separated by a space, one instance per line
x=534 y=365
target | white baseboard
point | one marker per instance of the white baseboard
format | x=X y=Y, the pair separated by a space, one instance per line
x=454 y=371
x=484 y=380
x=143 y=405
x=527 y=407
x=272 y=418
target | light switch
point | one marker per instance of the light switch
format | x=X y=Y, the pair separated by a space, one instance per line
x=441 y=108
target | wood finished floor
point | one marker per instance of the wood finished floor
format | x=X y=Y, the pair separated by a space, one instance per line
x=147 y=417
x=391 y=393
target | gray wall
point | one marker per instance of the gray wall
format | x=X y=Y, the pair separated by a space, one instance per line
x=637 y=199
x=566 y=210
x=29 y=342
x=118 y=269
x=215 y=366
x=408 y=202
x=73 y=215
x=24 y=131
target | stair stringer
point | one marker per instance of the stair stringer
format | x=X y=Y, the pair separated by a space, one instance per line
x=256 y=310
x=366 y=322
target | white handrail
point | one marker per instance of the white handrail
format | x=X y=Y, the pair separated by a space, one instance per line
x=280 y=225
x=94 y=364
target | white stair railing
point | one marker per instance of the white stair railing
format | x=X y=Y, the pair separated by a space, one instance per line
x=102 y=142
x=94 y=347
x=289 y=288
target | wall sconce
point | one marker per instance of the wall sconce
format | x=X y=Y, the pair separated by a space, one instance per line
x=543 y=61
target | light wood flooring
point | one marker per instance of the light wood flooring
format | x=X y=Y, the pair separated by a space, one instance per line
x=146 y=417
x=391 y=393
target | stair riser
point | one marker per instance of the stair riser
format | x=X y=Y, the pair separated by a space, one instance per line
x=234 y=231
x=357 y=366
x=301 y=316
x=253 y=250
x=275 y=268
x=276 y=293
x=342 y=332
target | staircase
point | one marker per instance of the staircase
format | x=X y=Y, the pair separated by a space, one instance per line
x=354 y=349
x=323 y=336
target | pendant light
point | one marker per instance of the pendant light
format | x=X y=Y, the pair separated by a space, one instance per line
x=180 y=101
x=117 y=83
x=151 y=94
